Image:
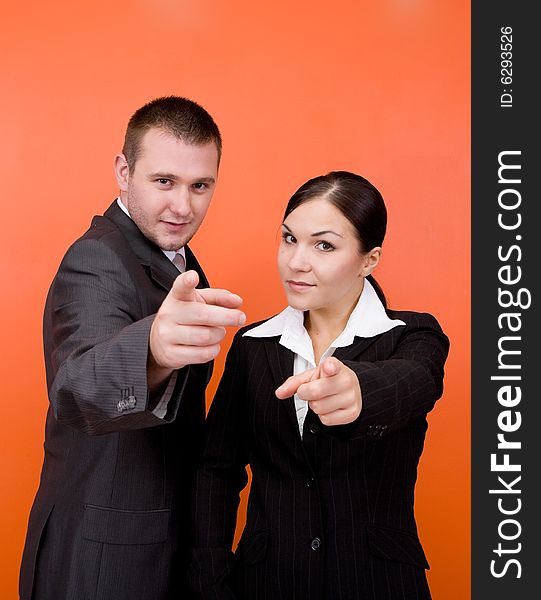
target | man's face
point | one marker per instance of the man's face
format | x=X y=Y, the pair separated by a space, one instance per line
x=170 y=188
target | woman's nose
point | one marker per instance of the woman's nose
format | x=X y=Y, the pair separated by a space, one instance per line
x=298 y=261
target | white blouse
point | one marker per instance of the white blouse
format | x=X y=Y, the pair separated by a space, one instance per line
x=367 y=320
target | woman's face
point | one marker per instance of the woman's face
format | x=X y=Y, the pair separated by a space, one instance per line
x=319 y=259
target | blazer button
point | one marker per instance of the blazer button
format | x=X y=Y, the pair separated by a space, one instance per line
x=310 y=483
x=314 y=429
x=316 y=543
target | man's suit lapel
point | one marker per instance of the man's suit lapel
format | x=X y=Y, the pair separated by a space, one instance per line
x=164 y=272
x=161 y=270
x=193 y=264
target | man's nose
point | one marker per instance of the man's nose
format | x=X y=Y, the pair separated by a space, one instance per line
x=180 y=203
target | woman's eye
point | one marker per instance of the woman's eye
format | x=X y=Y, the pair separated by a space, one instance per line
x=163 y=181
x=288 y=238
x=325 y=246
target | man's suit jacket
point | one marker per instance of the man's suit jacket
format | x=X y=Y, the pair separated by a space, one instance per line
x=110 y=517
x=330 y=516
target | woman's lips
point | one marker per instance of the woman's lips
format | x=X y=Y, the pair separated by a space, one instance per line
x=299 y=286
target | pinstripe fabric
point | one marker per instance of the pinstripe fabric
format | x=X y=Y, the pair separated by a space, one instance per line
x=329 y=516
x=109 y=520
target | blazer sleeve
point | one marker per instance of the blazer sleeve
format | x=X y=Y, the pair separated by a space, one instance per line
x=404 y=386
x=96 y=345
x=220 y=477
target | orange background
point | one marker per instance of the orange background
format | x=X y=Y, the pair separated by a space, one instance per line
x=298 y=89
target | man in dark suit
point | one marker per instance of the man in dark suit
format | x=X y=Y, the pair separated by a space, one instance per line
x=128 y=344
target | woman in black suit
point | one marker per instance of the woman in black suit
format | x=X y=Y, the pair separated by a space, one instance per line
x=327 y=403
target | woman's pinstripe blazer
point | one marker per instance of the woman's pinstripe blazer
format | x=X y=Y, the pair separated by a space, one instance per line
x=330 y=516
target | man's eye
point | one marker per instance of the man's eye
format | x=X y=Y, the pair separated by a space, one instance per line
x=200 y=186
x=163 y=181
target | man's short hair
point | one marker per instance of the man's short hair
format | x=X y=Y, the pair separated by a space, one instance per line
x=183 y=118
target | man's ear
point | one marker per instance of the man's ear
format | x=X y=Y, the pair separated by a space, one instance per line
x=371 y=260
x=122 y=172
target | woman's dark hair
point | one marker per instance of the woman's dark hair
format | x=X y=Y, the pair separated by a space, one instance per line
x=357 y=199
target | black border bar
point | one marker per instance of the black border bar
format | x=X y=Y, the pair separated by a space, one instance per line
x=506 y=332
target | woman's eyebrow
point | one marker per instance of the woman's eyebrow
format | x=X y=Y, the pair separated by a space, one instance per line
x=317 y=233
